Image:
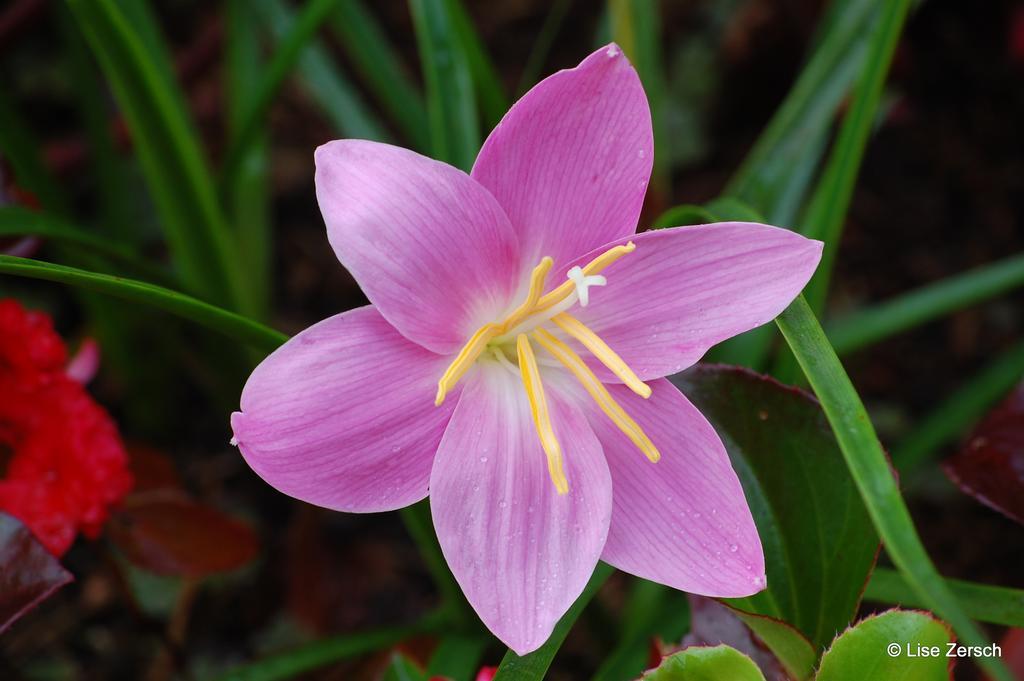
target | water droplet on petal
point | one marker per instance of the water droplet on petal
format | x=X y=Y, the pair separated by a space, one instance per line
x=733 y=548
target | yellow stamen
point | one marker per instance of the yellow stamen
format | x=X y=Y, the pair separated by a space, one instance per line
x=537 y=278
x=564 y=354
x=464 y=360
x=541 y=415
x=593 y=267
x=591 y=341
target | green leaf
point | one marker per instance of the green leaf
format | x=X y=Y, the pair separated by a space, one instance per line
x=534 y=667
x=652 y=611
x=719 y=663
x=818 y=539
x=995 y=604
x=542 y=45
x=229 y=323
x=403 y=669
x=864 y=652
x=292 y=663
x=169 y=151
x=924 y=304
x=827 y=210
x=339 y=98
x=457 y=657
x=420 y=526
x=367 y=47
x=776 y=173
x=490 y=92
x=794 y=651
x=293 y=38
x=960 y=410
x=451 y=107
x=870 y=470
x=18 y=221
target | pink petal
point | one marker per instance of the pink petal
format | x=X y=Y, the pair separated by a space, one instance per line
x=83 y=366
x=521 y=553
x=687 y=288
x=570 y=161
x=428 y=245
x=682 y=521
x=343 y=416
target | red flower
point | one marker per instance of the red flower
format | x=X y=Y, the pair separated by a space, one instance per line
x=67 y=465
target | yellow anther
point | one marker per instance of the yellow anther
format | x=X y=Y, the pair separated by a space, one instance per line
x=464 y=360
x=537 y=279
x=593 y=267
x=591 y=341
x=564 y=354
x=541 y=415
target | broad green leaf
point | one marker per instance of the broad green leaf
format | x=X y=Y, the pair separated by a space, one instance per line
x=179 y=180
x=818 y=539
x=889 y=646
x=451 y=106
x=326 y=84
x=229 y=323
x=534 y=667
x=720 y=663
x=794 y=651
x=367 y=47
x=870 y=469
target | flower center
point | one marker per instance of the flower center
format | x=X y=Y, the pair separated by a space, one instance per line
x=497 y=340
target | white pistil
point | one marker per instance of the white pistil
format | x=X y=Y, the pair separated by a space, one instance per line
x=583 y=282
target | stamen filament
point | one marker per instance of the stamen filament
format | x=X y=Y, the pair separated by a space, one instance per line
x=541 y=415
x=593 y=267
x=537 y=279
x=591 y=341
x=590 y=382
x=464 y=360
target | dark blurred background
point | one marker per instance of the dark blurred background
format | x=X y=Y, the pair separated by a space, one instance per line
x=941 y=191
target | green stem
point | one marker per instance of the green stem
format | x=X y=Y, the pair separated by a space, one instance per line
x=534 y=666
x=871 y=472
x=960 y=410
x=994 y=604
x=420 y=526
x=926 y=303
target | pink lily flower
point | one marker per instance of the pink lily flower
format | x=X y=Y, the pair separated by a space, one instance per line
x=511 y=363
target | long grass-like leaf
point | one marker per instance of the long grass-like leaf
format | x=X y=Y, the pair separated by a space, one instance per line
x=870 y=470
x=451 y=106
x=370 y=52
x=983 y=602
x=959 y=411
x=929 y=302
x=325 y=82
x=827 y=210
x=487 y=83
x=229 y=323
x=179 y=179
x=290 y=664
x=294 y=36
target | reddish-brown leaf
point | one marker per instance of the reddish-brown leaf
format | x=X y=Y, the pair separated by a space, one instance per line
x=170 y=534
x=29 y=573
x=990 y=466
